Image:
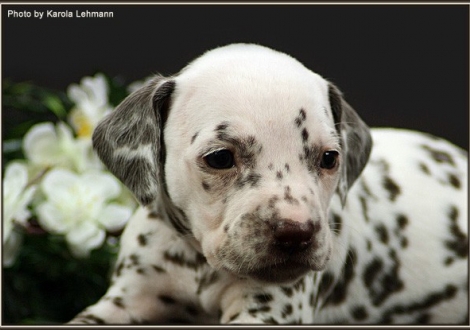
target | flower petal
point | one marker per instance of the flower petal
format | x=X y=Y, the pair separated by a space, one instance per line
x=102 y=184
x=52 y=219
x=84 y=238
x=114 y=217
x=11 y=248
x=40 y=144
x=58 y=182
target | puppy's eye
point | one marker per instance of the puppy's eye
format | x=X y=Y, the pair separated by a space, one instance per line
x=329 y=160
x=220 y=159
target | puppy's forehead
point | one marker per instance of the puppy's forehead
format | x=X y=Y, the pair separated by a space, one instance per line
x=250 y=84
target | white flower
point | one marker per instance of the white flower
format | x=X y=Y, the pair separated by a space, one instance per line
x=91 y=104
x=47 y=146
x=78 y=207
x=16 y=197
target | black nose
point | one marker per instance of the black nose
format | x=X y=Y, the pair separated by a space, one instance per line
x=292 y=236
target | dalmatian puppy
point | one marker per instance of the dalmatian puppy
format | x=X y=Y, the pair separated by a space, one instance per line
x=266 y=199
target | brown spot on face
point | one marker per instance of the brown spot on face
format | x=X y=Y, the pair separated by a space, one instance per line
x=304 y=135
x=288 y=196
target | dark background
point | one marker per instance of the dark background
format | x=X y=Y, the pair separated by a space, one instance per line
x=398 y=65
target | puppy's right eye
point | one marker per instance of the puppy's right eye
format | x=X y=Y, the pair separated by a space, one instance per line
x=220 y=159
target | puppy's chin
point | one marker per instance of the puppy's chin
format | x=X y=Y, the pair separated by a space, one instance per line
x=280 y=273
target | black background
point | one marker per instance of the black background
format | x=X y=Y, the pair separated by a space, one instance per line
x=398 y=65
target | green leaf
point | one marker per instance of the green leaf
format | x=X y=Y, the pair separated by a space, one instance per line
x=55 y=105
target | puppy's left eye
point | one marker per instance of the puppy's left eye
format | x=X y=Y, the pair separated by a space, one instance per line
x=220 y=159
x=329 y=159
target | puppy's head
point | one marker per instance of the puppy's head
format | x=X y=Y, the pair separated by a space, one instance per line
x=243 y=150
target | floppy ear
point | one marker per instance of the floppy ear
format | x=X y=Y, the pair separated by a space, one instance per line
x=356 y=141
x=129 y=140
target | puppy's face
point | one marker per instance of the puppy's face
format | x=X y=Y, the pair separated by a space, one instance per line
x=254 y=145
x=252 y=159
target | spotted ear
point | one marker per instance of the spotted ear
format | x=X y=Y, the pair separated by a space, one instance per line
x=129 y=140
x=356 y=141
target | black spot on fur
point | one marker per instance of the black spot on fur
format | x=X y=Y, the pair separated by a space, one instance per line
x=206 y=186
x=326 y=282
x=135 y=259
x=454 y=181
x=392 y=188
x=279 y=175
x=336 y=223
x=288 y=196
x=158 y=269
x=371 y=271
x=364 y=207
x=300 y=118
x=439 y=156
x=233 y=317
x=193 y=138
x=402 y=221
x=263 y=298
x=119 y=268
x=255 y=310
x=287 y=167
x=382 y=281
x=288 y=291
x=180 y=260
x=459 y=242
x=270 y=320
x=359 y=313
x=340 y=291
x=404 y=242
x=222 y=127
x=427 y=302
x=270 y=166
x=251 y=179
x=142 y=240
x=382 y=233
x=287 y=310
x=424 y=168
x=304 y=135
